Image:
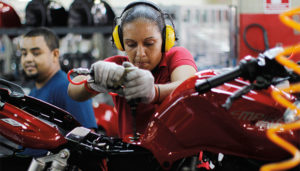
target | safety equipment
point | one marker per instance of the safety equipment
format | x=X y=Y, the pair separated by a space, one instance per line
x=106 y=75
x=102 y=13
x=45 y=13
x=35 y=14
x=8 y=16
x=56 y=14
x=139 y=84
x=79 y=13
x=89 y=13
x=168 y=34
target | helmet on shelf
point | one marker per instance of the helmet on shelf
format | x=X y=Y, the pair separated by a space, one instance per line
x=90 y=13
x=35 y=14
x=56 y=14
x=8 y=16
x=102 y=13
x=79 y=13
x=45 y=13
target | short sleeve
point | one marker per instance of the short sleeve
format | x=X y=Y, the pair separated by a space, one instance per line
x=179 y=56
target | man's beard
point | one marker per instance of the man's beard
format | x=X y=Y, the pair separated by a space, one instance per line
x=31 y=76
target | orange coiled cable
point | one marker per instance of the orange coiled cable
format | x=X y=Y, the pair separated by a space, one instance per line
x=277 y=94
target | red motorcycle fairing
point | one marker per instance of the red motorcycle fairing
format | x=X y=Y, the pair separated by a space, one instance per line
x=107 y=118
x=188 y=122
x=31 y=122
x=27 y=130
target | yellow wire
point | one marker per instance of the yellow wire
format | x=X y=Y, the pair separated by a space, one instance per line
x=277 y=94
x=285 y=17
x=286 y=164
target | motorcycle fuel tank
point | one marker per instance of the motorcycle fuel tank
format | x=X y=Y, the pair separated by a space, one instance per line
x=188 y=122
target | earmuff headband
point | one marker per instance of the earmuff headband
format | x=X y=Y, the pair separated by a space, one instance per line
x=168 y=34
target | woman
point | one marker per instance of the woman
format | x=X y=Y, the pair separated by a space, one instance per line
x=155 y=69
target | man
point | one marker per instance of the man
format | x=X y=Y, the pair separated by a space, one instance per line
x=40 y=61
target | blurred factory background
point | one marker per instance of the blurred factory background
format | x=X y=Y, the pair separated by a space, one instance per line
x=218 y=33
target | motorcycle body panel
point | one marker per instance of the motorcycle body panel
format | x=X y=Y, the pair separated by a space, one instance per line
x=33 y=123
x=27 y=130
x=188 y=122
x=107 y=118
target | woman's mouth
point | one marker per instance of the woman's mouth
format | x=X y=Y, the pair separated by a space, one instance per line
x=141 y=64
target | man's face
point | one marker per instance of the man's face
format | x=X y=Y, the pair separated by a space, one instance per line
x=37 y=59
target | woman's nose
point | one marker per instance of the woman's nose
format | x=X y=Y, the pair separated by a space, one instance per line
x=140 y=51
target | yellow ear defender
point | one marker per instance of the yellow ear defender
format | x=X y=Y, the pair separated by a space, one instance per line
x=169 y=38
x=168 y=34
x=116 y=38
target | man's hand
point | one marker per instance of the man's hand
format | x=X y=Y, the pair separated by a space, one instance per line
x=139 y=84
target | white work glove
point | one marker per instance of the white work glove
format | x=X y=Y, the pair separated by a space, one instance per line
x=106 y=75
x=139 y=84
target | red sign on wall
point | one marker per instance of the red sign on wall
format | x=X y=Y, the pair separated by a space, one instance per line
x=276 y=6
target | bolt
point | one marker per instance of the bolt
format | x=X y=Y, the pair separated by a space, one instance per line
x=64 y=154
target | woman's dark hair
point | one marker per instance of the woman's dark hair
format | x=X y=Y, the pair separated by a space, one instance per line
x=50 y=37
x=143 y=11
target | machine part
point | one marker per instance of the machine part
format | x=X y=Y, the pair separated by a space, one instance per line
x=133 y=105
x=85 y=71
x=78 y=134
x=59 y=161
x=36 y=165
x=291 y=115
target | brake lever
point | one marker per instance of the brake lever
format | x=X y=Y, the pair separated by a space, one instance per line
x=237 y=94
x=261 y=83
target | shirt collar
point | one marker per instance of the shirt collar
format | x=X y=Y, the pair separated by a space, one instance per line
x=163 y=62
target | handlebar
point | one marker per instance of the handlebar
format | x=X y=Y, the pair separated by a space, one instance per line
x=245 y=66
x=250 y=69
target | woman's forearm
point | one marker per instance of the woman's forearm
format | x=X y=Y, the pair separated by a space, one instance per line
x=166 y=89
x=179 y=75
x=79 y=92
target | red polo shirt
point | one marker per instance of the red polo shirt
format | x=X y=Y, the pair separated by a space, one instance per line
x=172 y=59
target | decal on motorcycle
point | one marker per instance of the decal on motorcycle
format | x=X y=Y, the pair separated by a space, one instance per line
x=12 y=122
x=253 y=116
x=267 y=125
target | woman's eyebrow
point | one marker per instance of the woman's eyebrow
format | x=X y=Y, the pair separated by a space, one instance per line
x=151 y=37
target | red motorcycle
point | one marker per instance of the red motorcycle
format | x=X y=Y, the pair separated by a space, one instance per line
x=215 y=120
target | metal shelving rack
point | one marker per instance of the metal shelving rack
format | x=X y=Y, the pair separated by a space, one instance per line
x=61 y=30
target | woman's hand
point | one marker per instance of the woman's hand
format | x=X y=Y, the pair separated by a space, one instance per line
x=106 y=75
x=139 y=84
